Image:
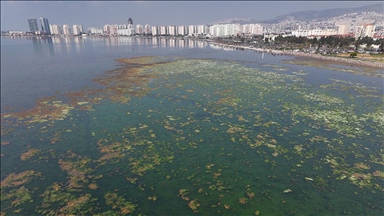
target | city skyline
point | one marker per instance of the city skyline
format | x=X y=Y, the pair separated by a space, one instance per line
x=97 y=14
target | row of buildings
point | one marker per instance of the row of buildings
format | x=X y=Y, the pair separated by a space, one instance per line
x=54 y=29
x=191 y=30
x=217 y=30
x=366 y=30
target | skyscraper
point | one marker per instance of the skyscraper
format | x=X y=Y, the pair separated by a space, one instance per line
x=77 y=29
x=44 y=25
x=130 y=21
x=33 y=25
x=66 y=30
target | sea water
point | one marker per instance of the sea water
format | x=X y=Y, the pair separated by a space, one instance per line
x=160 y=126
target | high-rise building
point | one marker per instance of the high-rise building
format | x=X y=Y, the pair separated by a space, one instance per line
x=172 y=30
x=163 y=30
x=139 y=29
x=77 y=29
x=44 y=25
x=130 y=21
x=202 y=29
x=66 y=30
x=155 y=30
x=107 y=29
x=256 y=29
x=55 y=29
x=147 y=29
x=368 y=30
x=181 y=30
x=33 y=27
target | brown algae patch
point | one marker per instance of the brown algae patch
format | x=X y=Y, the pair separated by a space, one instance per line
x=46 y=110
x=57 y=201
x=194 y=205
x=119 y=203
x=112 y=153
x=14 y=179
x=117 y=86
x=144 y=60
x=30 y=153
x=78 y=171
x=5 y=143
x=13 y=187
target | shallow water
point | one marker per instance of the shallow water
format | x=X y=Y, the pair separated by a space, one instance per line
x=190 y=130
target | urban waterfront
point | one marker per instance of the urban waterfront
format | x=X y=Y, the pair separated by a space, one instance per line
x=159 y=126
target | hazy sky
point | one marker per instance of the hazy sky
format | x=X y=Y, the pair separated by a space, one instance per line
x=14 y=14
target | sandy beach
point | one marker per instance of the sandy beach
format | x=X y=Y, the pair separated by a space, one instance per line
x=353 y=61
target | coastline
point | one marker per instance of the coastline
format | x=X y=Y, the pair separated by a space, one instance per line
x=307 y=55
x=351 y=61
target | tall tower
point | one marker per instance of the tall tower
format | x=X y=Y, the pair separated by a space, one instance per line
x=44 y=25
x=130 y=21
x=33 y=27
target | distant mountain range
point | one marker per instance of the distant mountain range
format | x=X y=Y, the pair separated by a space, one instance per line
x=309 y=15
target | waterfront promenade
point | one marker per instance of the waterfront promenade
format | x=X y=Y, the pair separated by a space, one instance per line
x=353 y=61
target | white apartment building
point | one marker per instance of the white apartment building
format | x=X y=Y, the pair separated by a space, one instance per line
x=139 y=29
x=180 y=30
x=147 y=29
x=342 y=29
x=302 y=33
x=114 y=29
x=163 y=30
x=366 y=30
x=202 y=29
x=172 y=30
x=77 y=29
x=192 y=30
x=246 y=29
x=213 y=30
x=55 y=29
x=117 y=29
x=256 y=29
x=66 y=30
x=232 y=29
x=155 y=30
x=107 y=29
x=314 y=32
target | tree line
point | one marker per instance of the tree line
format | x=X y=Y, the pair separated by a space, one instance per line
x=330 y=41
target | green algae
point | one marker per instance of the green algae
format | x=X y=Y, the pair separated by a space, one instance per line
x=211 y=128
x=366 y=71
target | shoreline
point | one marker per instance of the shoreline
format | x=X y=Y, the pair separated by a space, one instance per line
x=308 y=55
x=352 y=61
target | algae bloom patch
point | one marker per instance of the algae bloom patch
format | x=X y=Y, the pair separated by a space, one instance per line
x=174 y=135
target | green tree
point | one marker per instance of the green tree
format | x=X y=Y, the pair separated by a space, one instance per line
x=353 y=55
